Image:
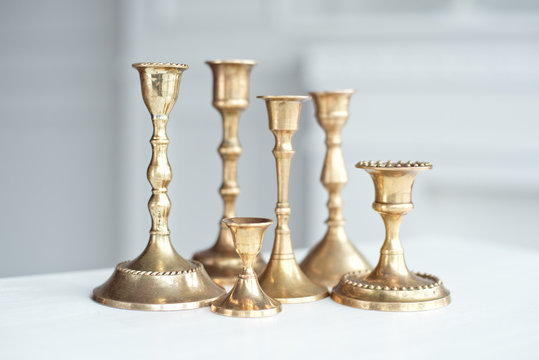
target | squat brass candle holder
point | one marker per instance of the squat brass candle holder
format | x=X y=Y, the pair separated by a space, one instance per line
x=282 y=278
x=391 y=286
x=230 y=98
x=334 y=255
x=159 y=279
x=246 y=299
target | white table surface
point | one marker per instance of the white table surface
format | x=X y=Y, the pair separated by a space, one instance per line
x=494 y=315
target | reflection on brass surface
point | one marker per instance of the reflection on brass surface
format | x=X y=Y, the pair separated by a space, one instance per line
x=334 y=255
x=391 y=286
x=282 y=278
x=159 y=279
x=246 y=299
x=230 y=98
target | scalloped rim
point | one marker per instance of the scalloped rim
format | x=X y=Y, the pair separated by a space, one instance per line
x=390 y=165
x=160 y=65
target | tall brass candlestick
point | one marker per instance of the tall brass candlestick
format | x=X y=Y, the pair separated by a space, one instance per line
x=391 y=286
x=334 y=255
x=230 y=98
x=159 y=279
x=283 y=279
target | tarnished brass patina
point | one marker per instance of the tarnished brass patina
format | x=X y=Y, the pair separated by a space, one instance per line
x=230 y=98
x=282 y=278
x=391 y=286
x=334 y=255
x=246 y=299
x=159 y=279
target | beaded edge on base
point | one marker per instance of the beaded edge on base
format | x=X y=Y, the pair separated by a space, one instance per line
x=121 y=267
x=346 y=280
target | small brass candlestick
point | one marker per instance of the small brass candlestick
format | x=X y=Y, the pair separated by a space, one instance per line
x=230 y=98
x=246 y=299
x=334 y=255
x=282 y=278
x=159 y=279
x=391 y=286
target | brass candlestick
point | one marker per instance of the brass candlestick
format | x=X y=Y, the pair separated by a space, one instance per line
x=283 y=279
x=334 y=255
x=230 y=98
x=159 y=279
x=246 y=299
x=391 y=286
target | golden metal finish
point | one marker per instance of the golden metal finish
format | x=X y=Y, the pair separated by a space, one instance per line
x=159 y=279
x=283 y=279
x=230 y=98
x=334 y=255
x=391 y=286
x=246 y=299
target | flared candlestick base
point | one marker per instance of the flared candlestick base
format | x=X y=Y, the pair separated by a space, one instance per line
x=154 y=290
x=330 y=259
x=356 y=290
x=283 y=280
x=246 y=299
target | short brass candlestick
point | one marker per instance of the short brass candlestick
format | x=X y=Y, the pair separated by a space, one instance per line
x=391 y=286
x=334 y=255
x=246 y=299
x=159 y=279
x=230 y=98
x=282 y=278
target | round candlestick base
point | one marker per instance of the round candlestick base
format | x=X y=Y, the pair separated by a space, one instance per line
x=158 y=291
x=330 y=259
x=284 y=281
x=357 y=291
x=246 y=299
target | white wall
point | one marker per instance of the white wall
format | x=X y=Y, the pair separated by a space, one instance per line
x=453 y=82
x=460 y=95
x=57 y=137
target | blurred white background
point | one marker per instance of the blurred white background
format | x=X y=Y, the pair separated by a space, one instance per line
x=455 y=82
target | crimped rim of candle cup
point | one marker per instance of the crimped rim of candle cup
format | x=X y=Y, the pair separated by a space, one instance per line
x=394 y=165
x=160 y=65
